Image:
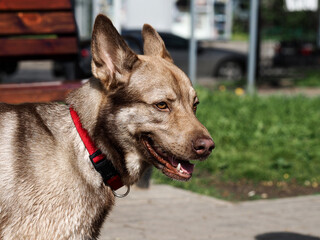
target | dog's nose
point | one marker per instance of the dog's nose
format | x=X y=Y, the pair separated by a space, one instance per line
x=203 y=146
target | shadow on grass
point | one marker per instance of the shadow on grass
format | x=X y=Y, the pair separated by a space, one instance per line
x=285 y=236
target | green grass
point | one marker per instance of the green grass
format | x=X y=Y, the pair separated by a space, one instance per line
x=240 y=36
x=311 y=78
x=257 y=139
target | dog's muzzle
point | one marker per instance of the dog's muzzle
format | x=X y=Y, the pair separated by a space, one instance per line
x=172 y=166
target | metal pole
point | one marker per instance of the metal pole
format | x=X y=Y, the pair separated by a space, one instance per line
x=258 y=46
x=252 y=46
x=192 y=45
x=318 y=35
x=117 y=14
x=229 y=19
x=95 y=10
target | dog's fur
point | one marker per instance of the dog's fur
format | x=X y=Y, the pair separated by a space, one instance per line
x=48 y=186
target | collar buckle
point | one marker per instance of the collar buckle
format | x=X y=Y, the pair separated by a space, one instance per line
x=106 y=169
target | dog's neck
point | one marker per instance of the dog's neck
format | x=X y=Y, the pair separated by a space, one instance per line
x=88 y=108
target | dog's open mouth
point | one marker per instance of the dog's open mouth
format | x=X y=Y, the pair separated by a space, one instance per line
x=171 y=166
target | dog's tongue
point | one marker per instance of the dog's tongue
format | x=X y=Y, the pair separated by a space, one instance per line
x=185 y=166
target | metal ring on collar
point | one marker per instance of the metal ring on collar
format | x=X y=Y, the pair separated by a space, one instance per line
x=122 y=195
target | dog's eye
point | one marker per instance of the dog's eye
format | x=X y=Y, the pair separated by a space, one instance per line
x=162 y=105
x=195 y=105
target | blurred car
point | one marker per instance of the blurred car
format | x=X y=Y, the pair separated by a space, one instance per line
x=295 y=53
x=8 y=67
x=211 y=62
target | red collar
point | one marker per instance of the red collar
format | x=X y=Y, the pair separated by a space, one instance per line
x=109 y=174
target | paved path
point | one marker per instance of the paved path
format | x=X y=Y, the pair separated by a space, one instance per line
x=164 y=212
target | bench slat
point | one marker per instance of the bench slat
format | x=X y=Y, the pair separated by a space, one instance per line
x=11 y=5
x=37 y=47
x=36 y=92
x=37 y=23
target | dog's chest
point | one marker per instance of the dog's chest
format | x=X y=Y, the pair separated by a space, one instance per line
x=70 y=217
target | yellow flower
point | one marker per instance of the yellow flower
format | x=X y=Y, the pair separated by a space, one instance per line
x=239 y=91
x=267 y=183
x=222 y=88
x=315 y=184
x=286 y=176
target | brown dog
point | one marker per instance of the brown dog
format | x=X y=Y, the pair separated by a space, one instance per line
x=138 y=110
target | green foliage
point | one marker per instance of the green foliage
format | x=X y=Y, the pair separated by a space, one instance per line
x=279 y=24
x=257 y=139
x=274 y=14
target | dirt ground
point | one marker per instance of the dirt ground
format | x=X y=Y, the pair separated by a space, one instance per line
x=244 y=190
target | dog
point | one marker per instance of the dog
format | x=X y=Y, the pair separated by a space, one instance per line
x=136 y=111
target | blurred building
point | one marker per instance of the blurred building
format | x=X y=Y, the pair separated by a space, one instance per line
x=213 y=17
x=301 y=5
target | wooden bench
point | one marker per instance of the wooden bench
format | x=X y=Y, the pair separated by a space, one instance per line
x=32 y=30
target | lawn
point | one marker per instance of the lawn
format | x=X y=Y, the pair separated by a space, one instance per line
x=265 y=146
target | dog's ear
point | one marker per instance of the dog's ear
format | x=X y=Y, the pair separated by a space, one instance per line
x=153 y=44
x=110 y=53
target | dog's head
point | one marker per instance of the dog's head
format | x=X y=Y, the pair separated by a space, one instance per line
x=151 y=104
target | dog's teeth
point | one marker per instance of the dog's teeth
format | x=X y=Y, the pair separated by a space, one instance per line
x=179 y=167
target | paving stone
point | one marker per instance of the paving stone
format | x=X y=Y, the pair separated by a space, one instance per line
x=164 y=212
